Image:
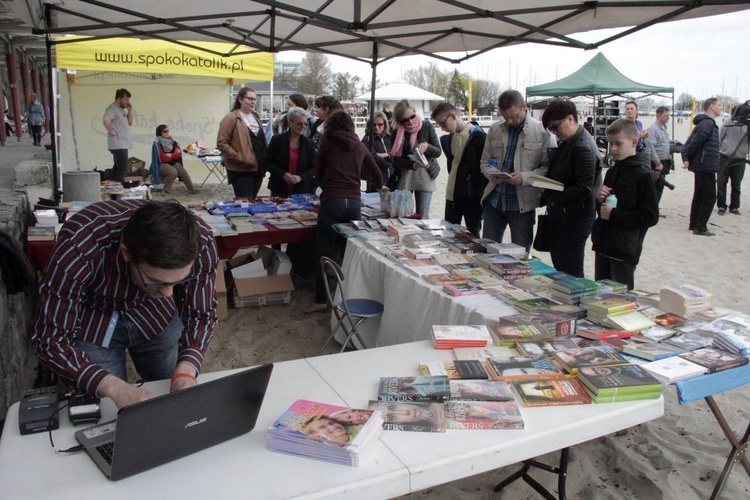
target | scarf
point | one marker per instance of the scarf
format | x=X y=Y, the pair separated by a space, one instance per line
x=413 y=127
x=166 y=144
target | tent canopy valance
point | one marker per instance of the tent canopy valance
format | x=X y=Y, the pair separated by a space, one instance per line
x=401 y=90
x=597 y=77
x=367 y=30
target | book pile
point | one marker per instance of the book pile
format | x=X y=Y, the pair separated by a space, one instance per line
x=685 y=300
x=423 y=267
x=485 y=260
x=480 y=277
x=611 y=286
x=511 y=249
x=510 y=330
x=628 y=321
x=674 y=369
x=731 y=333
x=510 y=293
x=399 y=231
x=536 y=304
x=600 y=310
x=651 y=350
x=325 y=432
x=523 y=368
x=570 y=290
x=511 y=271
x=452 y=336
x=572 y=360
x=43 y=233
x=539 y=267
x=463 y=244
x=445 y=279
x=608 y=384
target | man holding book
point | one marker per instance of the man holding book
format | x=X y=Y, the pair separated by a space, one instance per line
x=463 y=146
x=515 y=150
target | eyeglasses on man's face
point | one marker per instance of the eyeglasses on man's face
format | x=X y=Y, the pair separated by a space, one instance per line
x=157 y=285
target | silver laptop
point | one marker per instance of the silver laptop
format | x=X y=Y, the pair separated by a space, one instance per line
x=165 y=428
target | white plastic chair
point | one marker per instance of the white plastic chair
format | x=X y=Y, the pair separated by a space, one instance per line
x=351 y=311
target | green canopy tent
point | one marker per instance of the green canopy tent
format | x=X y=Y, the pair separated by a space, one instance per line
x=600 y=80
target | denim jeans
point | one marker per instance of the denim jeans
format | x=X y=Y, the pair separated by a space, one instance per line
x=333 y=211
x=422 y=203
x=521 y=225
x=154 y=359
x=120 y=159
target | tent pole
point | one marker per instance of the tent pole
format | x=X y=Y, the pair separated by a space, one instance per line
x=56 y=192
x=374 y=65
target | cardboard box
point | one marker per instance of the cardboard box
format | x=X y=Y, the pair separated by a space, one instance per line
x=251 y=280
x=135 y=164
x=222 y=310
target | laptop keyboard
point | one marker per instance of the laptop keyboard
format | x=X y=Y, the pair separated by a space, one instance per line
x=107 y=450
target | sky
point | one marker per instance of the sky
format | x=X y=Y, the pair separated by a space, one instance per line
x=701 y=57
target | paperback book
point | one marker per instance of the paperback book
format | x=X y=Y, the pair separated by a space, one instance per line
x=651 y=350
x=714 y=360
x=480 y=390
x=523 y=368
x=423 y=416
x=450 y=336
x=482 y=415
x=674 y=369
x=573 y=360
x=545 y=347
x=615 y=380
x=423 y=388
x=325 y=432
x=462 y=289
x=551 y=392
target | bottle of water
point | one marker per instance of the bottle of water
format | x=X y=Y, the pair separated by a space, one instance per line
x=493 y=163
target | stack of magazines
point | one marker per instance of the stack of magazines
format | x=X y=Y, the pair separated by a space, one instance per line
x=325 y=432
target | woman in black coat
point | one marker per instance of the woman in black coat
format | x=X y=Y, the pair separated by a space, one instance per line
x=291 y=158
x=378 y=129
x=577 y=164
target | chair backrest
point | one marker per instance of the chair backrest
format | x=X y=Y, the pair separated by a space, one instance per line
x=331 y=268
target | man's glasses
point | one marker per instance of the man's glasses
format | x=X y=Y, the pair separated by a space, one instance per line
x=158 y=285
x=407 y=120
x=444 y=122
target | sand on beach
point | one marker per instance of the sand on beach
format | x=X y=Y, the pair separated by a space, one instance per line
x=678 y=456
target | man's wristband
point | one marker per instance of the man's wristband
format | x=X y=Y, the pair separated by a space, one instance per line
x=180 y=375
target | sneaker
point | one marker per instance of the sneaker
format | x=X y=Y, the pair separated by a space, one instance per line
x=705 y=232
x=734 y=211
x=722 y=211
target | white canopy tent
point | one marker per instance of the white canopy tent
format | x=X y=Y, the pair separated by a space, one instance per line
x=370 y=31
x=420 y=98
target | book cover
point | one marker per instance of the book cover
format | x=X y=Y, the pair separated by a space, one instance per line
x=674 y=369
x=510 y=294
x=445 y=279
x=576 y=286
x=481 y=390
x=623 y=397
x=462 y=289
x=551 y=392
x=481 y=415
x=435 y=368
x=450 y=258
x=632 y=321
x=534 y=304
x=484 y=352
x=618 y=379
x=557 y=324
x=714 y=360
x=470 y=369
x=325 y=432
x=423 y=416
x=534 y=283
x=610 y=306
x=543 y=182
x=651 y=350
x=545 y=347
x=523 y=368
x=603 y=333
x=508 y=333
x=574 y=359
x=689 y=341
x=424 y=388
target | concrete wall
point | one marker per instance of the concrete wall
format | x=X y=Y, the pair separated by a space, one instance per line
x=17 y=360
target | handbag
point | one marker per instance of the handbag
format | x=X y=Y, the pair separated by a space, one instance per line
x=433 y=168
x=543 y=240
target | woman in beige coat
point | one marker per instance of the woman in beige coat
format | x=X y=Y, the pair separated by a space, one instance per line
x=242 y=143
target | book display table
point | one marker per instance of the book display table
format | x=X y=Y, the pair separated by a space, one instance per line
x=401 y=462
x=412 y=305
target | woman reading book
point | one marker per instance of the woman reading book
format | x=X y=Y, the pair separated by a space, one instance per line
x=577 y=164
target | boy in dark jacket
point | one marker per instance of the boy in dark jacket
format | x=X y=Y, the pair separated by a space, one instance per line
x=620 y=229
x=463 y=146
x=700 y=155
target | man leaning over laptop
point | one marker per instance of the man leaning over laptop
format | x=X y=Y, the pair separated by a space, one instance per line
x=128 y=275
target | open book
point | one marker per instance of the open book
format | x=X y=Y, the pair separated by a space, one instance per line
x=419 y=158
x=539 y=181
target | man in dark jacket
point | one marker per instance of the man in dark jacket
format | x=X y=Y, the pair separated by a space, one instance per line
x=627 y=206
x=463 y=146
x=700 y=155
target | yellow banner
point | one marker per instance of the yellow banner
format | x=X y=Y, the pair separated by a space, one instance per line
x=129 y=55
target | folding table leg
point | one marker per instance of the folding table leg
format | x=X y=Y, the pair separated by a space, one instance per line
x=561 y=471
x=739 y=448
